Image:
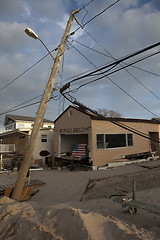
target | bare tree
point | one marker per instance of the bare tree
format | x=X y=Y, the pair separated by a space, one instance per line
x=109 y=113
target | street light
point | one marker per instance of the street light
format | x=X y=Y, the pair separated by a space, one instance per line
x=32 y=34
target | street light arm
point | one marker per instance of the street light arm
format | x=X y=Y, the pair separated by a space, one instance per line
x=46 y=49
x=32 y=34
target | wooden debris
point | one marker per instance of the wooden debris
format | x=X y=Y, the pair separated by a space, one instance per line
x=33 y=183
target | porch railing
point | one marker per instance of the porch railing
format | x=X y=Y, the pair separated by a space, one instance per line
x=6 y=148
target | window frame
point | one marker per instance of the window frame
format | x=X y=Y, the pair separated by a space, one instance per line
x=128 y=141
x=44 y=138
x=99 y=141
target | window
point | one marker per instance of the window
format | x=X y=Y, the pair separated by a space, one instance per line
x=100 y=141
x=11 y=126
x=105 y=141
x=115 y=140
x=43 y=138
x=70 y=113
x=20 y=125
x=130 y=139
x=22 y=136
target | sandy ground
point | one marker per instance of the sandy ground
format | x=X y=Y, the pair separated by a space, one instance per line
x=57 y=212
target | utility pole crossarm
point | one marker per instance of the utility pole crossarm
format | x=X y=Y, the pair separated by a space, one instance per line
x=17 y=193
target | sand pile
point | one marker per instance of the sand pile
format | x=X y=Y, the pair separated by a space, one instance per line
x=22 y=221
x=57 y=213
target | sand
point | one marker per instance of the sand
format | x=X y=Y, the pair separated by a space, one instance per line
x=57 y=212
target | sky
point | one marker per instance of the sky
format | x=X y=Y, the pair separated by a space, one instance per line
x=123 y=28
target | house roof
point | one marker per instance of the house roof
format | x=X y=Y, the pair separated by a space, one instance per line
x=23 y=118
x=97 y=117
x=10 y=132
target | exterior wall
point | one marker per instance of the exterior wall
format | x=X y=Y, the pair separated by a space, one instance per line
x=72 y=122
x=22 y=124
x=25 y=125
x=40 y=146
x=48 y=125
x=140 y=144
x=10 y=126
x=20 y=141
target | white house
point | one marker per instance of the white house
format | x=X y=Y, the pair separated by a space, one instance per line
x=18 y=130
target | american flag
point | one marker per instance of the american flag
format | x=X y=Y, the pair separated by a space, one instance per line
x=79 y=150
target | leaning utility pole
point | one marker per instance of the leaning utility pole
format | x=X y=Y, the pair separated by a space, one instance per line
x=17 y=193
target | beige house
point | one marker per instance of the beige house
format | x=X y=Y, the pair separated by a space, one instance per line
x=106 y=141
x=17 y=132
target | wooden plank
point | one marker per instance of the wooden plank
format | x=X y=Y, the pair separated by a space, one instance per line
x=33 y=183
x=26 y=193
x=149 y=167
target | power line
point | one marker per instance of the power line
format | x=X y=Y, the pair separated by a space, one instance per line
x=144 y=70
x=82 y=44
x=110 y=56
x=88 y=3
x=116 y=83
x=20 y=106
x=97 y=15
x=124 y=126
x=125 y=63
x=118 y=61
x=111 y=5
x=121 y=68
x=114 y=71
x=20 y=75
x=142 y=84
x=127 y=72
x=51 y=51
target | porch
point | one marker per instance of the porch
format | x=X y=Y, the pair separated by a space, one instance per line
x=7 y=148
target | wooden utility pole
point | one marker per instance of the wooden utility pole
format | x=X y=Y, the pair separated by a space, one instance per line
x=17 y=193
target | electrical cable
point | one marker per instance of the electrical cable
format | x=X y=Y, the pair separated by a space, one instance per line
x=110 y=56
x=117 y=84
x=89 y=48
x=88 y=3
x=126 y=69
x=118 y=61
x=101 y=13
x=127 y=65
x=72 y=33
x=18 y=107
x=20 y=75
x=124 y=126
x=144 y=70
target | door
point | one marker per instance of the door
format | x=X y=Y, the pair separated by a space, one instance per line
x=154 y=144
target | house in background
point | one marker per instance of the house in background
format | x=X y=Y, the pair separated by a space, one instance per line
x=18 y=131
x=105 y=140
